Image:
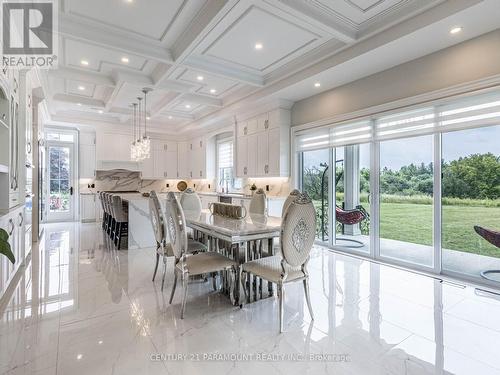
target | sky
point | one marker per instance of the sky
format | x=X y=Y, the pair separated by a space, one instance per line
x=397 y=153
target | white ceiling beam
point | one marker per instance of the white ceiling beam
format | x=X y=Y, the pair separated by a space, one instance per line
x=100 y=35
x=202 y=99
x=82 y=76
x=75 y=99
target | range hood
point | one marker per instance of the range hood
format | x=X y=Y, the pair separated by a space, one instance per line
x=111 y=165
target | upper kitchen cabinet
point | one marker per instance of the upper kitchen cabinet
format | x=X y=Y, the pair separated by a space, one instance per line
x=87 y=155
x=183 y=165
x=202 y=158
x=263 y=145
x=163 y=161
x=113 y=147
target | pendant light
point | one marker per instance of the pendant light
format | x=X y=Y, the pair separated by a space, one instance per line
x=146 y=141
x=133 y=146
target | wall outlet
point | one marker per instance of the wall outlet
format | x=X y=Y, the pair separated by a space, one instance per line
x=267 y=187
x=168 y=185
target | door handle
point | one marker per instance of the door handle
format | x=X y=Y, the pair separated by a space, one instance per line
x=71 y=190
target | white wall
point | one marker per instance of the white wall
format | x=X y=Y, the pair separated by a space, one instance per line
x=466 y=62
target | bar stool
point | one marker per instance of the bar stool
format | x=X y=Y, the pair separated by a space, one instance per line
x=120 y=213
x=104 y=213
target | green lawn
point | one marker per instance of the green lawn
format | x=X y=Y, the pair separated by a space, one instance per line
x=413 y=223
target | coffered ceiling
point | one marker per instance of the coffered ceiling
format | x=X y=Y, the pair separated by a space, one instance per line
x=202 y=57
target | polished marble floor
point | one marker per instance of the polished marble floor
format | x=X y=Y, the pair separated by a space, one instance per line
x=81 y=307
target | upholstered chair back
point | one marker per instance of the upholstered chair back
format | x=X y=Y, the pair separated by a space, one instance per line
x=101 y=198
x=190 y=201
x=157 y=218
x=120 y=214
x=291 y=197
x=176 y=225
x=298 y=230
x=258 y=203
x=108 y=203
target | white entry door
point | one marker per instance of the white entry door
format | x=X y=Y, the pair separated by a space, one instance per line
x=60 y=180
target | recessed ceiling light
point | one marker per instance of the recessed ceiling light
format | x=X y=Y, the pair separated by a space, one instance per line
x=188 y=106
x=100 y=342
x=258 y=46
x=148 y=118
x=81 y=88
x=213 y=91
x=199 y=78
x=79 y=104
x=79 y=356
x=129 y=1
x=84 y=62
x=125 y=60
x=101 y=111
x=317 y=84
x=456 y=30
x=170 y=117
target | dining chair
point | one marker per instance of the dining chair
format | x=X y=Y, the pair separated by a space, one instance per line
x=291 y=197
x=120 y=211
x=195 y=264
x=163 y=248
x=258 y=203
x=190 y=200
x=298 y=230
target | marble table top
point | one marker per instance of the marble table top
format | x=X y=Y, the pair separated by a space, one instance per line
x=234 y=230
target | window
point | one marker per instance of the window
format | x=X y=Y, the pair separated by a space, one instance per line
x=225 y=164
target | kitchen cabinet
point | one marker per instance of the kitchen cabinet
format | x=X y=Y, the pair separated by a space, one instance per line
x=166 y=160
x=262 y=149
x=88 y=207
x=183 y=160
x=113 y=147
x=14 y=224
x=87 y=155
x=201 y=158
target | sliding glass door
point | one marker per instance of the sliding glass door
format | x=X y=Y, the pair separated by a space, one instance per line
x=419 y=187
x=406 y=200
x=471 y=201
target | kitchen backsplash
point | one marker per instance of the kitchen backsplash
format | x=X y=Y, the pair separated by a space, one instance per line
x=128 y=181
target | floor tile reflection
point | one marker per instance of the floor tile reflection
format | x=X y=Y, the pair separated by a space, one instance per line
x=82 y=307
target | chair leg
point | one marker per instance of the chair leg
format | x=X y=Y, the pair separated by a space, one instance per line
x=214 y=281
x=244 y=286
x=281 y=296
x=157 y=261
x=173 y=286
x=308 y=297
x=164 y=272
x=185 y=283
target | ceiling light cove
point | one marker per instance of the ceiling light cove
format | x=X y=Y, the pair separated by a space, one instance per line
x=317 y=84
x=456 y=29
x=84 y=62
x=199 y=78
x=258 y=46
x=125 y=60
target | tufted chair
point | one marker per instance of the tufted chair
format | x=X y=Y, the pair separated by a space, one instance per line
x=291 y=197
x=297 y=237
x=258 y=203
x=196 y=264
x=163 y=248
x=120 y=214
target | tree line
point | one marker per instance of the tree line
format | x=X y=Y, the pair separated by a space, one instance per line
x=476 y=176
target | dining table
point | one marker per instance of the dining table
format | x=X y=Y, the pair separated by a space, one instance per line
x=243 y=240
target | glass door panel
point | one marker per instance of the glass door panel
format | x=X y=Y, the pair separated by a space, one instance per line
x=406 y=200
x=60 y=177
x=471 y=198
x=315 y=182
x=352 y=189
